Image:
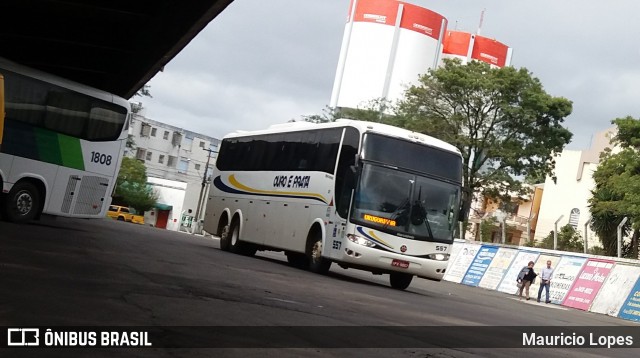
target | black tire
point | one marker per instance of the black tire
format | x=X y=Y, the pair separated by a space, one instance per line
x=120 y=218
x=317 y=263
x=22 y=204
x=225 y=239
x=400 y=281
x=236 y=245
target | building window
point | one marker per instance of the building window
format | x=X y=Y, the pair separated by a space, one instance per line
x=171 y=162
x=574 y=217
x=145 y=129
x=197 y=166
x=153 y=131
x=161 y=159
x=165 y=135
x=148 y=155
x=140 y=153
x=183 y=165
x=201 y=144
x=187 y=143
x=176 y=139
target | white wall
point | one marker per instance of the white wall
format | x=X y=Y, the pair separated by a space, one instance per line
x=568 y=193
x=172 y=193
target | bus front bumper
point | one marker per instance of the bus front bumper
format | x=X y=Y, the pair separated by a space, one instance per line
x=376 y=260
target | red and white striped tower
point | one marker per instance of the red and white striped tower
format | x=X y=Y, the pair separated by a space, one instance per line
x=467 y=46
x=387 y=44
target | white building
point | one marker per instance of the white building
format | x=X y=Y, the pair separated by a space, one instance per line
x=569 y=196
x=165 y=215
x=173 y=154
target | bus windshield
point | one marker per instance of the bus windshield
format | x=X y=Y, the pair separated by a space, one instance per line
x=405 y=204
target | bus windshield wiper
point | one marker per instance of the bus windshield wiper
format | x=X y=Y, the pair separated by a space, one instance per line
x=397 y=212
x=428 y=225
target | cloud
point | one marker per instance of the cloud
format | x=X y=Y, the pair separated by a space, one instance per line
x=265 y=62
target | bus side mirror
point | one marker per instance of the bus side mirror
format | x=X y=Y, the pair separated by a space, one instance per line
x=462 y=214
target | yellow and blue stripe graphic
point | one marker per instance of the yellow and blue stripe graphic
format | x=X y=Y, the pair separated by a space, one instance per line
x=236 y=187
x=373 y=237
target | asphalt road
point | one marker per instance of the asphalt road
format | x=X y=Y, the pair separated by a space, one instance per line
x=68 y=272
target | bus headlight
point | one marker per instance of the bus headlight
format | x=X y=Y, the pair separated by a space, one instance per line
x=438 y=257
x=360 y=240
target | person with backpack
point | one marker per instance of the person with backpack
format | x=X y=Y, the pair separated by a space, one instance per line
x=525 y=278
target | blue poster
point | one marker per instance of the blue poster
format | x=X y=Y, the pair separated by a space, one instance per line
x=479 y=265
x=631 y=308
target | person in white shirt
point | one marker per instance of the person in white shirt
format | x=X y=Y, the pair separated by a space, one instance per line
x=545 y=283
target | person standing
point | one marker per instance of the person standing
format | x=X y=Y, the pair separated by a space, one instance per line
x=545 y=276
x=525 y=278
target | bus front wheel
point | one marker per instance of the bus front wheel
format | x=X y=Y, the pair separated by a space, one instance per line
x=317 y=263
x=22 y=203
x=400 y=281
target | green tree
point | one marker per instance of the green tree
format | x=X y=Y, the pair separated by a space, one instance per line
x=377 y=110
x=504 y=123
x=569 y=239
x=131 y=186
x=617 y=191
x=487 y=227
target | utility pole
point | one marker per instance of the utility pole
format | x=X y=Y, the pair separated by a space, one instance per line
x=204 y=183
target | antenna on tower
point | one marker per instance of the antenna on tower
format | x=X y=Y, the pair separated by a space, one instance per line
x=481 y=19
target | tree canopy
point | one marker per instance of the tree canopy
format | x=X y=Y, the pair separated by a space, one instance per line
x=569 y=239
x=617 y=191
x=501 y=119
x=131 y=186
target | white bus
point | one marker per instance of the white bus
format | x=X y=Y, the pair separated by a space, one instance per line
x=61 y=144
x=363 y=195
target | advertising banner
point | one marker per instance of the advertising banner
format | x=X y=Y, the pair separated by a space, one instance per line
x=631 y=308
x=479 y=265
x=588 y=283
x=615 y=290
x=563 y=277
x=455 y=250
x=457 y=269
x=498 y=268
x=509 y=281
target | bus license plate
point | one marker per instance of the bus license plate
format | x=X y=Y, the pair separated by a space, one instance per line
x=400 y=263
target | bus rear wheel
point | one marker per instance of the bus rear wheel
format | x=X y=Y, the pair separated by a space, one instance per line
x=400 y=281
x=225 y=239
x=236 y=245
x=22 y=203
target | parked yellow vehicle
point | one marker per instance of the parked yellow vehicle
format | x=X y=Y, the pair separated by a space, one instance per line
x=123 y=213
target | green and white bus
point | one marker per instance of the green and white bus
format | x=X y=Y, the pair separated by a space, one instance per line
x=363 y=195
x=61 y=145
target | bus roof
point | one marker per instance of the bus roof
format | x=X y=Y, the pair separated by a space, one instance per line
x=362 y=126
x=62 y=82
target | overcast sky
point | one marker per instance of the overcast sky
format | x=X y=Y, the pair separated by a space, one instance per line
x=264 y=62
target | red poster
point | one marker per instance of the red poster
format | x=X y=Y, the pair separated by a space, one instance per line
x=586 y=286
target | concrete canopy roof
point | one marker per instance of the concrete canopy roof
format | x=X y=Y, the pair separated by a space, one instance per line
x=113 y=45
